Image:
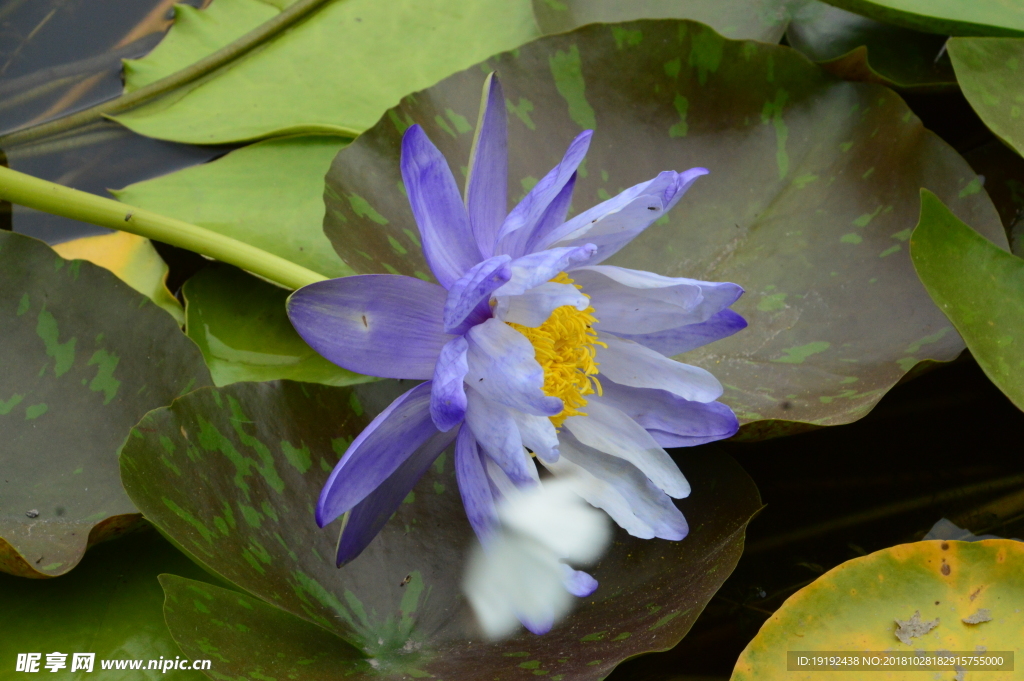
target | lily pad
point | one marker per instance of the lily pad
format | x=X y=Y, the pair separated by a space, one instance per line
x=763 y=20
x=111 y=606
x=83 y=357
x=979 y=286
x=857 y=48
x=931 y=595
x=240 y=324
x=232 y=475
x=990 y=71
x=811 y=197
x=133 y=259
x=945 y=17
x=267 y=194
x=305 y=80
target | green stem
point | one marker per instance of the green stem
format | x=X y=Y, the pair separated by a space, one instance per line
x=32 y=192
x=207 y=64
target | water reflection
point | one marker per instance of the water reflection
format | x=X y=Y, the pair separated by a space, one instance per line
x=61 y=56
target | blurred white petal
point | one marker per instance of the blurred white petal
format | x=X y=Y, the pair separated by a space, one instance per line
x=521 y=576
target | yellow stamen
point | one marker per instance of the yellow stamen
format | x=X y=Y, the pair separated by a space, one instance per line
x=565 y=347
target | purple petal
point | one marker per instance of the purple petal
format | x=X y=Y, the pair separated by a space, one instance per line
x=474 y=487
x=487 y=184
x=498 y=436
x=638 y=302
x=613 y=224
x=553 y=217
x=503 y=368
x=577 y=582
x=448 y=391
x=371 y=514
x=691 y=336
x=377 y=452
x=448 y=243
x=538 y=624
x=536 y=268
x=529 y=211
x=376 y=324
x=474 y=288
x=671 y=420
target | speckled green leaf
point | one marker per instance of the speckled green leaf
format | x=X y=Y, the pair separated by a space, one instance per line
x=239 y=323
x=857 y=48
x=111 y=605
x=232 y=475
x=82 y=358
x=991 y=73
x=335 y=72
x=1003 y=170
x=267 y=194
x=763 y=20
x=812 y=196
x=979 y=286
x=945 y=17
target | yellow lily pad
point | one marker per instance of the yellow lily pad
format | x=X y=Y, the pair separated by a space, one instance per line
x=931 y=595
x=133 y=259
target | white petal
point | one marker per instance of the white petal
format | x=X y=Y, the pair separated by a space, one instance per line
x=555 y=516
x=498 y=435
x=632 y=364
x=538 y=434
x=514 y=578
x=503 y=368
x=533 y=307
x=621 y=490
x=608 y=430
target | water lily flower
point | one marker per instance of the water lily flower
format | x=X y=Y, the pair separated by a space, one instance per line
x=529 y=349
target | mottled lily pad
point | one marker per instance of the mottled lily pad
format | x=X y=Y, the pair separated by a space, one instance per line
x=82 y=358
x=945 y=17
x=991 y=73
x=812 y=196
x=232 y=474
x=307 y=79
x=111 y=605
x=240 y=324
x=931 y=596
x=857 y=48
x=979 y=286
x=763 y=20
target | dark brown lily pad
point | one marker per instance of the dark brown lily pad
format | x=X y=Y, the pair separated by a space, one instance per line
x=231 y=475
x=812 y=196
x=83 y=356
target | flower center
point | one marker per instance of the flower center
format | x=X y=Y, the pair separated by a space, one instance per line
x=565 y=347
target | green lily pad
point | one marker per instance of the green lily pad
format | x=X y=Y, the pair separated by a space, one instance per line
x=1003 y=170
x=857 y=48
x=269 y=195
x=990 y=71
x=335 y=72
x=232 y=475
x=812 y=196
x=979 y=286
x=240 y=324
x=763 y=20
x=111 y=606
x=82 y=358
x=945 y=17
x=948 y=595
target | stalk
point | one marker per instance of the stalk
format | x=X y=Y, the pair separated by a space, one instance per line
x=32 y=192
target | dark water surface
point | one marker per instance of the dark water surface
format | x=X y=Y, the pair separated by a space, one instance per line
x=61 y=56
